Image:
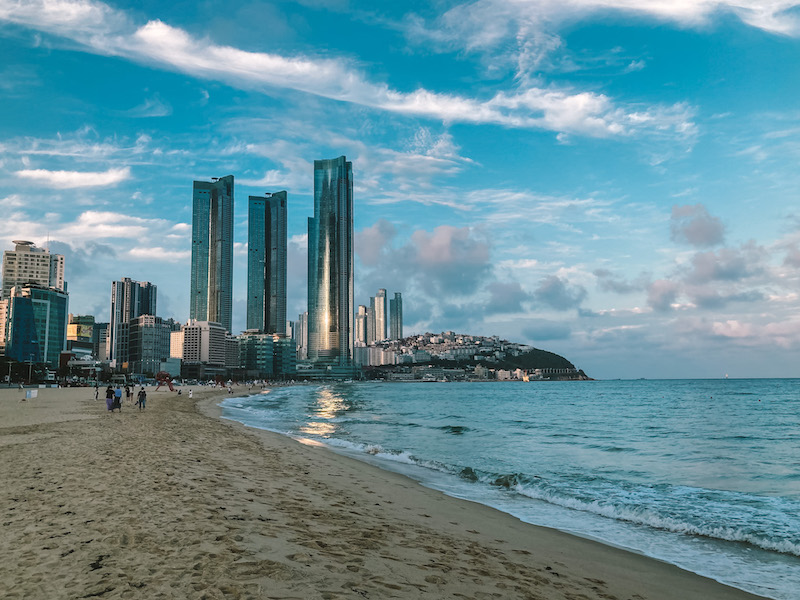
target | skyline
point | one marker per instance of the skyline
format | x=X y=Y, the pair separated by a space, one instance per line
x=614 y=184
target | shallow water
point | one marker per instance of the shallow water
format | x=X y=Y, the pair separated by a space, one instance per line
x=704 y=474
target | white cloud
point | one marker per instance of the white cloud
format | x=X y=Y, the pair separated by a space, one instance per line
x=75 y=179
x=108 y=31
x=158 y=254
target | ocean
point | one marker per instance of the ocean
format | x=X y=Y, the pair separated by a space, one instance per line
x=703 y=474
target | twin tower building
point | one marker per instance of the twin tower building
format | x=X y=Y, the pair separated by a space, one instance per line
x=330 y=261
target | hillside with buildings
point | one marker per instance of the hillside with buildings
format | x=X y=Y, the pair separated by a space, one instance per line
x=450 y=356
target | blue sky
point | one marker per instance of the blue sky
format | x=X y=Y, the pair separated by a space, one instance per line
x=613 y=180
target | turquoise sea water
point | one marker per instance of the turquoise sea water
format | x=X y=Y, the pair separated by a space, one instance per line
x=704 y=474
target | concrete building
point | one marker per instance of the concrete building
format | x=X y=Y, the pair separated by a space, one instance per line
x=129 y=299
x=396 y=317
x=300 y=336
x=361 y=325
x=29 y=265
x=211 y=286
x=266 y=263
x=330 y=267
x=381 y=316
x=204 y=342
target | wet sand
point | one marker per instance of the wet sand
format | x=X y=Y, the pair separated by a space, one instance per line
x=173 y=502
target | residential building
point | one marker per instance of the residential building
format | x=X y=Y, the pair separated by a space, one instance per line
x=330 y=266
x=381 y=316
x=204 y=342
x=361 y=325
x=211 y=289
x=396 y=317
x=300 y=335
x=129 y=299
x=29 y=265
x=266 y=263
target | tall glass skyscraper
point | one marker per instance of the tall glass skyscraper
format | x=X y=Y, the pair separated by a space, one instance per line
x=330 y=264
x=396 y=317
x=212 y=251
x=266 y=263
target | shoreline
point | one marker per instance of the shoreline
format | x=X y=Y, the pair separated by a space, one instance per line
x=177 y=502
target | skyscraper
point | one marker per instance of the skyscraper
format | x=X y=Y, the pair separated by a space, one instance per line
x=212 y=251
x=27 y=264
x=396 y=317
x=381 y=316
x=129 y=299
x=266 y=263
x=330 y=264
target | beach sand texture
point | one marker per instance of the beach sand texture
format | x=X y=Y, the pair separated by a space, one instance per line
x=174 y=502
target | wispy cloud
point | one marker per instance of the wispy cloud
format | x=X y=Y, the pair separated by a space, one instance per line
x=487 y=26
x=75 y=179
x=112 y=32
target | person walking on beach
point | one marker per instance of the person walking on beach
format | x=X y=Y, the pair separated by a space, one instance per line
x=110 y=398
x=118 y=398
x=142 y=398
x=128 y=395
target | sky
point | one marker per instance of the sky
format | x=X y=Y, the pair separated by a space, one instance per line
x=612 y=180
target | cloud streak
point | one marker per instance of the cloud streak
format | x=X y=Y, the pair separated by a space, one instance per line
x=63 y=180
x=111 y=32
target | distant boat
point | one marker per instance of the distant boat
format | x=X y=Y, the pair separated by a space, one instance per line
x=726 y=375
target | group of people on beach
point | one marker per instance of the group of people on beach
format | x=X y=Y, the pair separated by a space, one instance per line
x=114 y=398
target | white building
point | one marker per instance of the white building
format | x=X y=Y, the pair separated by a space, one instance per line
x=204 y=342
x=26 y=264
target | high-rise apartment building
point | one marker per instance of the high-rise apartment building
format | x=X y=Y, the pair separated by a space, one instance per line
x=211 y=290
x=300 y=335
x=381 y=316
x=29 y=265
x=266 y=263
x=361 y=325
x=129 y=299
x=330 y=265
x=396 y=317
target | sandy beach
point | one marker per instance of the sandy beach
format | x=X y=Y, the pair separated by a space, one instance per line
x=174 y=502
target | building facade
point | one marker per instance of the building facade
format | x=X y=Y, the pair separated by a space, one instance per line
x=47 y=310
x=330 y=265
x=396 y=317
x=204 y=342
x=381 y=316
x=211 y=288
x=149 y=343
x=266 y=263
x=29 y=265
x=129 y=299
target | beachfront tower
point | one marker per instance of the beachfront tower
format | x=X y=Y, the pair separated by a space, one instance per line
x=396 y=317
x=266 y=263
x=330 y=265
x=211 y=289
